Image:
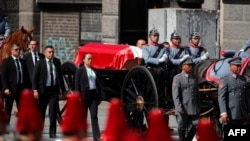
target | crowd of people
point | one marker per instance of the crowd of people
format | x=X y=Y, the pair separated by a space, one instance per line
x=41 y=73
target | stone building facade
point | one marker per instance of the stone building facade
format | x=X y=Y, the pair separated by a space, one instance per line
x=66 y=25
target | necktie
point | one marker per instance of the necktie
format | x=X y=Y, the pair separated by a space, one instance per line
x=35 y=57
x=51 y=73
x=19 y=72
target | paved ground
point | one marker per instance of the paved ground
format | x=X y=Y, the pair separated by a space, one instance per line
x=103 y=109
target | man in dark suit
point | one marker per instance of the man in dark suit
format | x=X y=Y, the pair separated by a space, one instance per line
x=47 y=81
x=15 y=77
x=32 y=57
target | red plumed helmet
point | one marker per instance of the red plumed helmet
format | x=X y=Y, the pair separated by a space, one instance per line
x=158 y=129
x=206 y=131
x=29 y=116
x=4 y=117
x=132 y=135
x=116 y=123
x=74 y=120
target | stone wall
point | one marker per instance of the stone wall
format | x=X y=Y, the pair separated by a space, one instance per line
x=110 y=21
x=186 y=21
x=235 y=23
x=232 y=32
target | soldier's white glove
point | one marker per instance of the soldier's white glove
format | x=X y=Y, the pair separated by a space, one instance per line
x=184 y=57
x=205 y=56
x=241 y=50
x=163 y=58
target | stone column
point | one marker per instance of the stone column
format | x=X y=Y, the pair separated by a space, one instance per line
x=110 y=21
x=26 y=13
x=211 y=4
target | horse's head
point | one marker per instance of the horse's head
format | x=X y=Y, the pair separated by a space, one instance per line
x=26 y=36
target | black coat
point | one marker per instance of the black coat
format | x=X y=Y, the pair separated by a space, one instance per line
x=30 y=63
x=82 y=83
x=9 y=74
x=39 y=77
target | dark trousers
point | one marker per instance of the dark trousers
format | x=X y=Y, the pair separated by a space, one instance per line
x=170 y=75
x=92 y=104
x=50 y=97
x=158 y=74
x=9 y=99
x=187 y=126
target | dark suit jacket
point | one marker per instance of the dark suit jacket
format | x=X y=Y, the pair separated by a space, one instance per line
x=30 y=63
x=39 y=77
x=9 y=74
x=82 y=83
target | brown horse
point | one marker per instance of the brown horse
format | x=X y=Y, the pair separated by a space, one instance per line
x=21 y=36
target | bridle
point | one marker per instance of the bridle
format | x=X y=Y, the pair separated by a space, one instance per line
x=26 y=38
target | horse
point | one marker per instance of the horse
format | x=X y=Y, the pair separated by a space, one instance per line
x=21 y=37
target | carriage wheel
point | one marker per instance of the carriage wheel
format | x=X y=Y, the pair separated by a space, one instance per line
x=211 y=109
x=68 y=70
x=139 y=96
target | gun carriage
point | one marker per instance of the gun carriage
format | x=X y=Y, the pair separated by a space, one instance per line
x=122 y=76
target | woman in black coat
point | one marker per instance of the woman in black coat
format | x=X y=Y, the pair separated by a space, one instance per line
x=86 y=84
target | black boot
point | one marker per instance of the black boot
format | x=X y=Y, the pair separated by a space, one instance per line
x=181 y=135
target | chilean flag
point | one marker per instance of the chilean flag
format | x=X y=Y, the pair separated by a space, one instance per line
x=108 y=56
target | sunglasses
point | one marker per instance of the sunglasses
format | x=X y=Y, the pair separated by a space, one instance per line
x=89 y=58
x=17 y=49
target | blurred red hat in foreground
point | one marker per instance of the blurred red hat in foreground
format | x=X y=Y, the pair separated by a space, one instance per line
x=74 y=121
x=116 y=123
x=206 y=131
x=4 y=117
x=158 y=129
x=132 y=135
x=29 y=116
